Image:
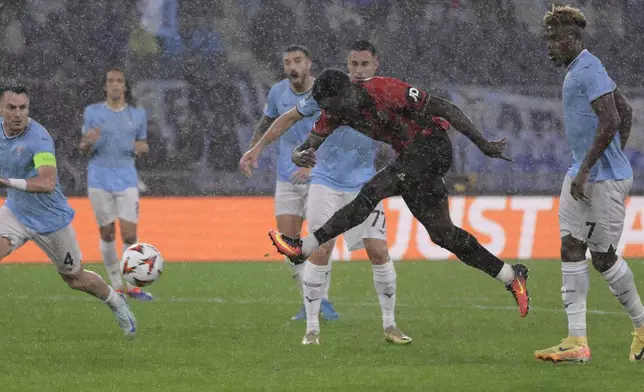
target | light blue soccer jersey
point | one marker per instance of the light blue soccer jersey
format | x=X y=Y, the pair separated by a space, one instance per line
x=281 y=99
x=585 y=81
x=43 y=213
x=112 y=161
x=345 y=161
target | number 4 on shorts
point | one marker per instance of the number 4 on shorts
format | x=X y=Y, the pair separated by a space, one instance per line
x=68 y=259
x=592 y=228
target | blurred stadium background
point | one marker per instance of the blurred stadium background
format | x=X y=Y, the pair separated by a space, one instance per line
x=203 y=68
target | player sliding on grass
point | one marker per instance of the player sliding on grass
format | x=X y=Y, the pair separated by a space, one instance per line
x=36 y=208
x=399 y=114
x=591 y=207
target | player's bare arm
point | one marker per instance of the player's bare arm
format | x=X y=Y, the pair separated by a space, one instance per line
x=275 y=129
x=279 y=127
x=607 y=125
x=141 y=147
x=435 y=106
x=44 y=182
x=625 y=114
x=304 y=154
x=260 y=129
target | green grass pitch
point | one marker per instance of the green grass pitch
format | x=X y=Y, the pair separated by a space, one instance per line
x=226 y=327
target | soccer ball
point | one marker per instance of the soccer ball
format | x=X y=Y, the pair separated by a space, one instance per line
x=141 y=264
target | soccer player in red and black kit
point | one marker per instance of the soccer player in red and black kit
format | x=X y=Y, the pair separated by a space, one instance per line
x=413 y=122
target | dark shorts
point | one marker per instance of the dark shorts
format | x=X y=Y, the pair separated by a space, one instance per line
x=417 y=173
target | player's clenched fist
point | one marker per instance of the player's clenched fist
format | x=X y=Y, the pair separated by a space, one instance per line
x=305 y=158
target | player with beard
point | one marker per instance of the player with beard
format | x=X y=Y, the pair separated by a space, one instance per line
x=335 y=181
x=292 y=187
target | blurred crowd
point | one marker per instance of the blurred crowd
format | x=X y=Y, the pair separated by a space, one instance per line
x=203 y=68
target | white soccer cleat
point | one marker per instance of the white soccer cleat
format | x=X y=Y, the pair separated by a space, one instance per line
x=124 y=316
x=312 y=337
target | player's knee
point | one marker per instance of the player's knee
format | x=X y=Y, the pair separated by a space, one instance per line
x=369 y=194
x=108 y=232
x=603 y=261
x=377 y=251
x=572 y=250
x=129 y=238
x=322 y=255
x=454 y=239
x=5 y=247
x=363 y=205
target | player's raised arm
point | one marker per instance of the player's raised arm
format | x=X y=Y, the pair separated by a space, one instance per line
x=625 y=114
x=260 y=129
x=267 y=131
x=278 y=127
x=437 y=107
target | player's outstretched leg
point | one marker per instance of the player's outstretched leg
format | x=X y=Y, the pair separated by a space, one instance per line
x=91 y=283
x=427 y=201
x=383 y=185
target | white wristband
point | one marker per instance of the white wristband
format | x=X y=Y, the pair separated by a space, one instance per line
x=18 y=183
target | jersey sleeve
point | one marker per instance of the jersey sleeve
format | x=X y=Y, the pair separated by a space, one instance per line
x=402 y=95
x=270 y=108
x=307 y=107
x=595 y=82
x=324 y=126
x=42 y=148
x=142 y=129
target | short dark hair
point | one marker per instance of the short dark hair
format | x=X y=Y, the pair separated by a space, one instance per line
x=362 y=45
x=129 y=98
x=17 y=89
x=330 y=83
x=298 y=48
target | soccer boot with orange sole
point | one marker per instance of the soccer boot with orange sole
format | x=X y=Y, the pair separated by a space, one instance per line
x=289 y=247
x=519 y=288
x=572 y=349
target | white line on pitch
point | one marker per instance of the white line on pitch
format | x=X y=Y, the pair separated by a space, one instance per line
x=255 y=301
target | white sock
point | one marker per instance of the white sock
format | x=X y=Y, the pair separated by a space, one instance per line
x=309 y=244
x=575 y=284
x=297 y=271
x=313 y=282
x=384 y=280
x=327 y=282
x=130 y=286
x=111 y=261
x=506 y=275
x=112 y=299
x=622 y=285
